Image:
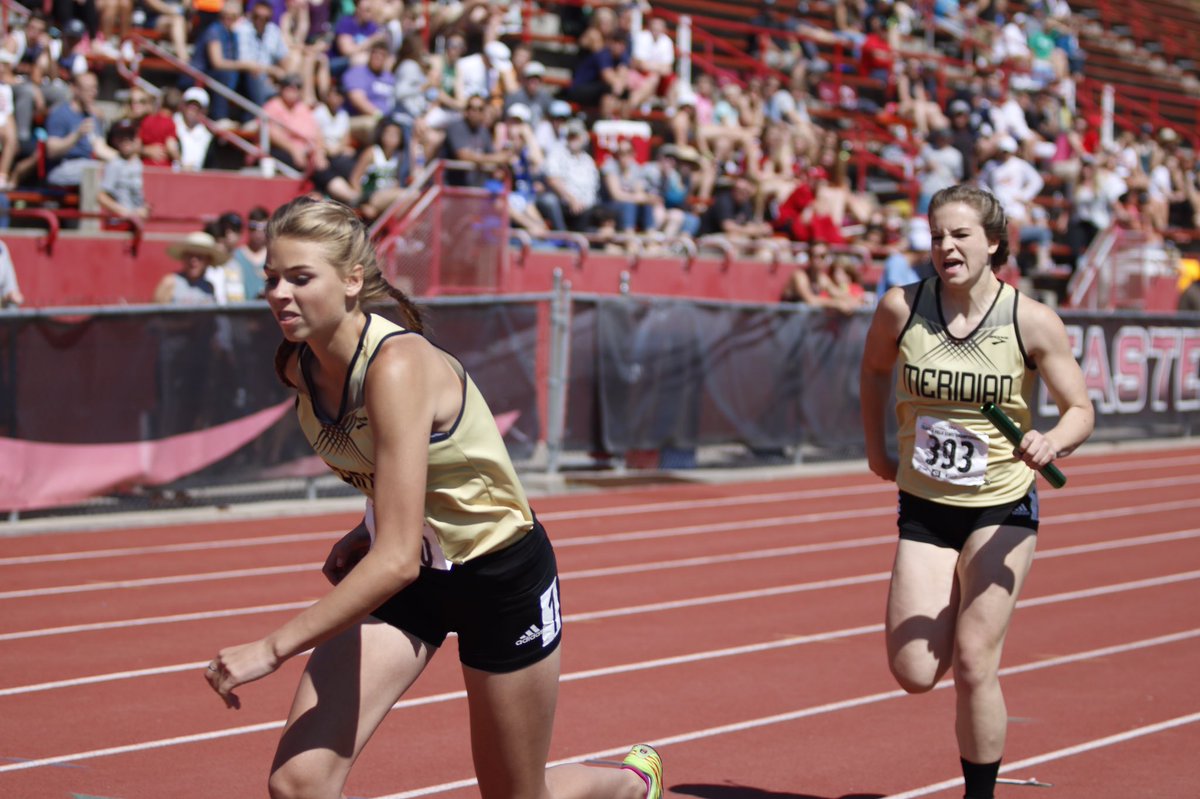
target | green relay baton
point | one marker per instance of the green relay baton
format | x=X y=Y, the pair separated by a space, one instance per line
x=999 y=418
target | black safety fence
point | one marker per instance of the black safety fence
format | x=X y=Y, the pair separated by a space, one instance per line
x=652 y=373
x=614 y=375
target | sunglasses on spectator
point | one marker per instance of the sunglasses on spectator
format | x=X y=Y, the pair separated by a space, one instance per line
x=474 y=107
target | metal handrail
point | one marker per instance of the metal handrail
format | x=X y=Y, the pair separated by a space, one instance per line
x=264 y=122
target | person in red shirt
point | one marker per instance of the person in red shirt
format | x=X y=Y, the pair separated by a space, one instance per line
x=156 y=129
x=877 y=56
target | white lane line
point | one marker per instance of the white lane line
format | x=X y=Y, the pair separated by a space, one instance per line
x=858 y=580
x=163 y=549
x=293 y=568
x=621 y=669
x=566 y=576
x=613 y=510
x=832 y=707
x=1059 y=754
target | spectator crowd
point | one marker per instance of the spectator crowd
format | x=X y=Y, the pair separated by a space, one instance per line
x=765 y=151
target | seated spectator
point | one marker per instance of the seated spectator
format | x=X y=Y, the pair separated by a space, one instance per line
x=74 y=133
x=469 y=139
x=354 y=37
x=155 y=127
x=334 y=122
x=370 y=90
x=964 y=137
x=10 y=290
x=194 y=136
x=1093 y=203
x=250 y=257
x=552 y=132
x=1015 y=183
x=916 y=92
x=673 y=177
x=224 y=275
x=572 y=183
x=517 y=137
x=260 y=41
x=9 y=144
x=941 y=166
x=601 y=78
x=602 y=25
x=412 y=98
x=380 y=171
x=651 y=65
x=297 y=141
x=532 y=93
x=121 y=189
x=450 y=100
x=814 y=285
x=902 y=267
x=169 y=18
x=217 y=56
x=732 y=213
x=789 y=106
x=626 y=188
x=487 y=74
x=196 y=253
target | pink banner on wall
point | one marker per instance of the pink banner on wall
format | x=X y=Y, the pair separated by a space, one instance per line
x=36 y=474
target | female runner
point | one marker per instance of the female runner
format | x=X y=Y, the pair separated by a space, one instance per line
x=448 y=542
x=968 y=509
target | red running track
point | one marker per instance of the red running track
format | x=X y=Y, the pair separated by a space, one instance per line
x=736 y=626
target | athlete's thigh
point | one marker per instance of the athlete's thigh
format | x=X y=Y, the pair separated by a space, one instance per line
x=348 y=686
x=512 y=717
x=991 y=572
x=921 y=610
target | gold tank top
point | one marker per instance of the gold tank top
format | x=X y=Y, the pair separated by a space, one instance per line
x=949 y=452
x=474 y=502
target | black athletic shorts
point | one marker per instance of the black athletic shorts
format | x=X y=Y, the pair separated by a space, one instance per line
x=950 y=525
x=503 y=605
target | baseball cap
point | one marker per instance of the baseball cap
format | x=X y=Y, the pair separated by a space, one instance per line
x=196 y=95
x=534 y=69
x=960 y=107
x=560 y=109
x=499 y=54
x=519 y=111
x=1007 y=145
x=74 y=29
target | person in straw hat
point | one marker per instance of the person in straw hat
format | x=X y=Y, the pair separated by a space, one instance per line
x=196 y=252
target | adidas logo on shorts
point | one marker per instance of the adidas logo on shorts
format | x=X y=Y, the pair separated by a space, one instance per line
x=532 y=634
x=1021 y=510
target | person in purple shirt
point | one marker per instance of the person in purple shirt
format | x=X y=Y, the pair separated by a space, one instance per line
x=354 y=36
x=370 y=90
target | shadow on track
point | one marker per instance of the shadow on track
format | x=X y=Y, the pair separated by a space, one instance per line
x=749 y=792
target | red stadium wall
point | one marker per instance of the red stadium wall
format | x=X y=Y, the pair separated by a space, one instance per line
x=102 y=268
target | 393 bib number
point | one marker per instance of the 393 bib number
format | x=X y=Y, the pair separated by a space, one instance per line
x=949 y=453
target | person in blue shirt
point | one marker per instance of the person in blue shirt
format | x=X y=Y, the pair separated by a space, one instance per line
x=216 y=55
x=75 y=134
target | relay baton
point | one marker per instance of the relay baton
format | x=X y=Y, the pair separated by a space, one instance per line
x=999 y=418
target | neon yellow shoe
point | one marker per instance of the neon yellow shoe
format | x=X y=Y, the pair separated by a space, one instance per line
x=645 y=762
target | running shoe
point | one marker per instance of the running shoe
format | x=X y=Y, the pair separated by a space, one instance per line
x=645 y=762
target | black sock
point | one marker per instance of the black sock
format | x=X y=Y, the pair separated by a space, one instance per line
x=980 y=779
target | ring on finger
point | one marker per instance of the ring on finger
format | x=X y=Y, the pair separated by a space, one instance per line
x=212 y=666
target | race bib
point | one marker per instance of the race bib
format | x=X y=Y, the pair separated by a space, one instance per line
x=949 y=453
x=432 y=556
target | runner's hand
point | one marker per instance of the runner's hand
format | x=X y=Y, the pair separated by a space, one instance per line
x=238 y=665
x=346 y=554
x=1036 y=450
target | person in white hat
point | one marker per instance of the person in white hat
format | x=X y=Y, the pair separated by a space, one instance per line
x=196 y=253
x=532 y=93
x=193 y=135
x=488 y=74
x=1016 y=183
